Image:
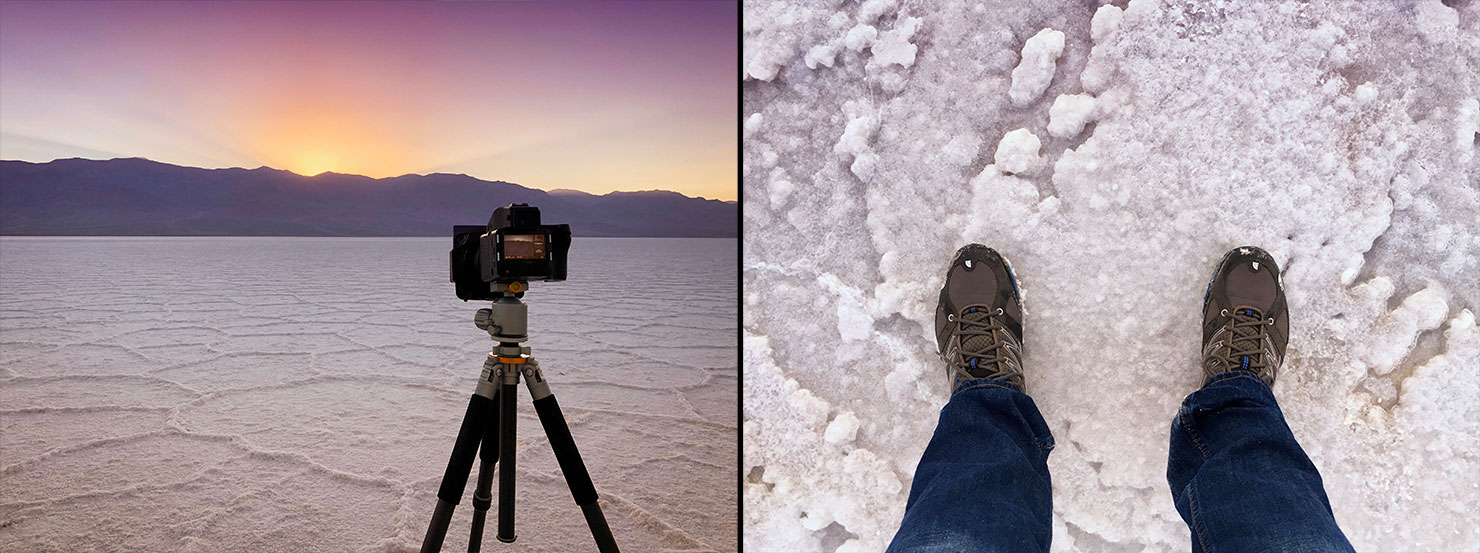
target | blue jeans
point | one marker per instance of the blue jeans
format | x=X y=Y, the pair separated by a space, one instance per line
x=1239 y=479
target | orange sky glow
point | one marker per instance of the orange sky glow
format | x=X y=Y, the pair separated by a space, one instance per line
x=592 y=97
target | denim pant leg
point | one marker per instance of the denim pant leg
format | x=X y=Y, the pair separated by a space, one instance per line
x=982 y=484
x=1238 y=477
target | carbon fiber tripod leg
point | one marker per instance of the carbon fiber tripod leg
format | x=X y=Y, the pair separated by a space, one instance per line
x=506 y=441
x=569 y=458
x=482 y=495
x=455 y=478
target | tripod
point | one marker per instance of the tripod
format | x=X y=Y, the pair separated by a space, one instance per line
x=506 y=322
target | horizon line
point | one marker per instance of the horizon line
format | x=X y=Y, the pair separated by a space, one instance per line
x=3 y=235
x=260 y=167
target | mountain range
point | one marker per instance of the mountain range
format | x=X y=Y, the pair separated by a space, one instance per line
x=140 y=197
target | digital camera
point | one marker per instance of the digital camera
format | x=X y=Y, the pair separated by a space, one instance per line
x=512 y=247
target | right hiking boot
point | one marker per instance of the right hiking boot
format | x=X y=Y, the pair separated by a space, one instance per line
x=1245 y=322
x=979 y=320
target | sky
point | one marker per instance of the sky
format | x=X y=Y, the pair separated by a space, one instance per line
x=587 y=96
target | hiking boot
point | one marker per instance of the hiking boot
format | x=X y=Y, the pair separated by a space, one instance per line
x=979 y=321
x=1245 y=322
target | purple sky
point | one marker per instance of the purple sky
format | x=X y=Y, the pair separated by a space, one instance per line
x=595 y=97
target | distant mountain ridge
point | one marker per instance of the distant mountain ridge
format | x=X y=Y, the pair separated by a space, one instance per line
x=140 y=197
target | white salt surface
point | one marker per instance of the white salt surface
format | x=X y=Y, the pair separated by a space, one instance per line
x=1069 y=114
x=1018 y=152
x=298 y=394
x=1032 y=75
x=1340 y=136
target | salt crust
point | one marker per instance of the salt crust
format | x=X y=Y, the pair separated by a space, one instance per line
x=1339 y=136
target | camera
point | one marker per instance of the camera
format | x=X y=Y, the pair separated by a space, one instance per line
x=512 y=247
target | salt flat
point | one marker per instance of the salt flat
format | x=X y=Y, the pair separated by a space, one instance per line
x=1114 y=153
x=302 y=394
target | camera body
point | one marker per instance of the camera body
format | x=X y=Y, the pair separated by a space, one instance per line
x=512 y=247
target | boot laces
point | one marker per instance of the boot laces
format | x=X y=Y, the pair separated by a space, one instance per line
x=1246 y=347
x=983 y=349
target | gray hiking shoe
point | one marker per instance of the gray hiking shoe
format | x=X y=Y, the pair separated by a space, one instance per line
x=979 y=321
x=1245 y=322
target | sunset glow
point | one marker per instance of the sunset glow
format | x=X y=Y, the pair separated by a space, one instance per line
x=593 y=97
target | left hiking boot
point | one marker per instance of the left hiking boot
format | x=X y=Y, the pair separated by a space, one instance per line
x=1245 y=322
x=979 y=320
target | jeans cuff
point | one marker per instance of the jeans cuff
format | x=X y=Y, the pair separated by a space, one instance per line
x=975 y=383
x=1234 y=375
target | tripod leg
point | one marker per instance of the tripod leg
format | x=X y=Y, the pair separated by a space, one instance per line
x=506 y=461
x=482 y=495
x=569 y=458
x=455 y=479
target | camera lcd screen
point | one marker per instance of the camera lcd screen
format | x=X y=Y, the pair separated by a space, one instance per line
x=524 y=246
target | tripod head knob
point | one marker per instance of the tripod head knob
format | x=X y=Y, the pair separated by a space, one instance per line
x=483 y=318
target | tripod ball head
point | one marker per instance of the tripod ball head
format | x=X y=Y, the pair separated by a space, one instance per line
x=506 y=320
